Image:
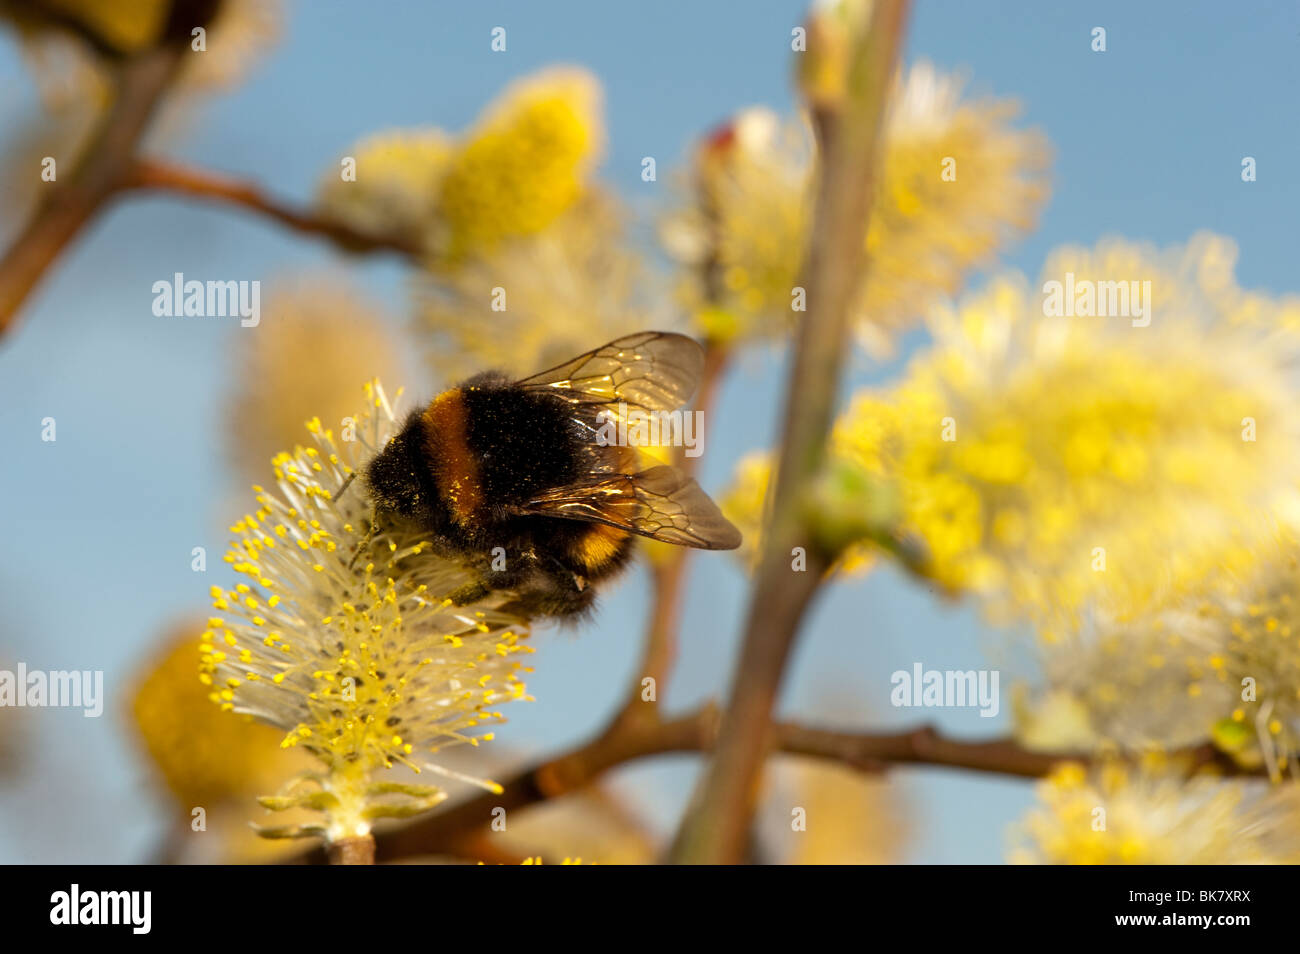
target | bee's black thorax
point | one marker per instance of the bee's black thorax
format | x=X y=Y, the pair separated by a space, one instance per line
x=523 y=441
x=463 y=469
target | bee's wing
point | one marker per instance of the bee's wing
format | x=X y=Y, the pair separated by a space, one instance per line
x=650 y=371
x=661 y=503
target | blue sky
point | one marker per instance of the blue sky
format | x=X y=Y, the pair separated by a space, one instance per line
x=1148 y=139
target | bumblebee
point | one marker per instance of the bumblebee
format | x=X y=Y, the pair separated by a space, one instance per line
x=512 y=479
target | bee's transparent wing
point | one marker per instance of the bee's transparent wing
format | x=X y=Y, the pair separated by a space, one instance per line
x=649 y=371
x=661 y=503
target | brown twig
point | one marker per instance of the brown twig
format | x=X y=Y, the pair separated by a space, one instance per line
x=717 y=359
x=716 y=824
x=60 y=218
x=139 y=82
x=667 y=591
x=163 y=176
x=459 y=829
x=927 y=746
x=357 y=850
x=668 y=576
x=447 y=830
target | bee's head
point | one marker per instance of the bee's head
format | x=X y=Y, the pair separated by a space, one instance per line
x=398 y=477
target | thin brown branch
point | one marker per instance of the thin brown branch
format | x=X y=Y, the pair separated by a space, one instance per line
x=453 y=830
x=357 y=850
x=716 y=824
x=71 y=204
x=668 y=576
x=162 y=176
x=460 y=829
x=139 y=84
x=717 y=359
x=927 y=746
x=667 y=590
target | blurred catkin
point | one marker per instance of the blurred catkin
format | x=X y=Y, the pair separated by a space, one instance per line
x=538 y=300
x=1153 y=814
x=957 y=182
x=523 y=164
x=319 y=339
x=819 y=813
x=1070 y=471
x=203 y=756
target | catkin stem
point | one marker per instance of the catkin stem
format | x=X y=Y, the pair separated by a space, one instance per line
x=357 y=850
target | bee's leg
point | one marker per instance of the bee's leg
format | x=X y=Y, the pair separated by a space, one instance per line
x=518 y=570
x=364 y=545
x=470 y=593
x=572 y=601
x=570 y=607
x=555 y=592
x=346 y=484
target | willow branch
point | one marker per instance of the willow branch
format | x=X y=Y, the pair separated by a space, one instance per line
x=157 y=175
x=139 y=83
x=667 y=592
x=357 y=850
x=460 y=829
x=868 y=752
x=668 y=576
x=714 y=829
x=71 y=204
x=447 y=831
x=926 y=746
